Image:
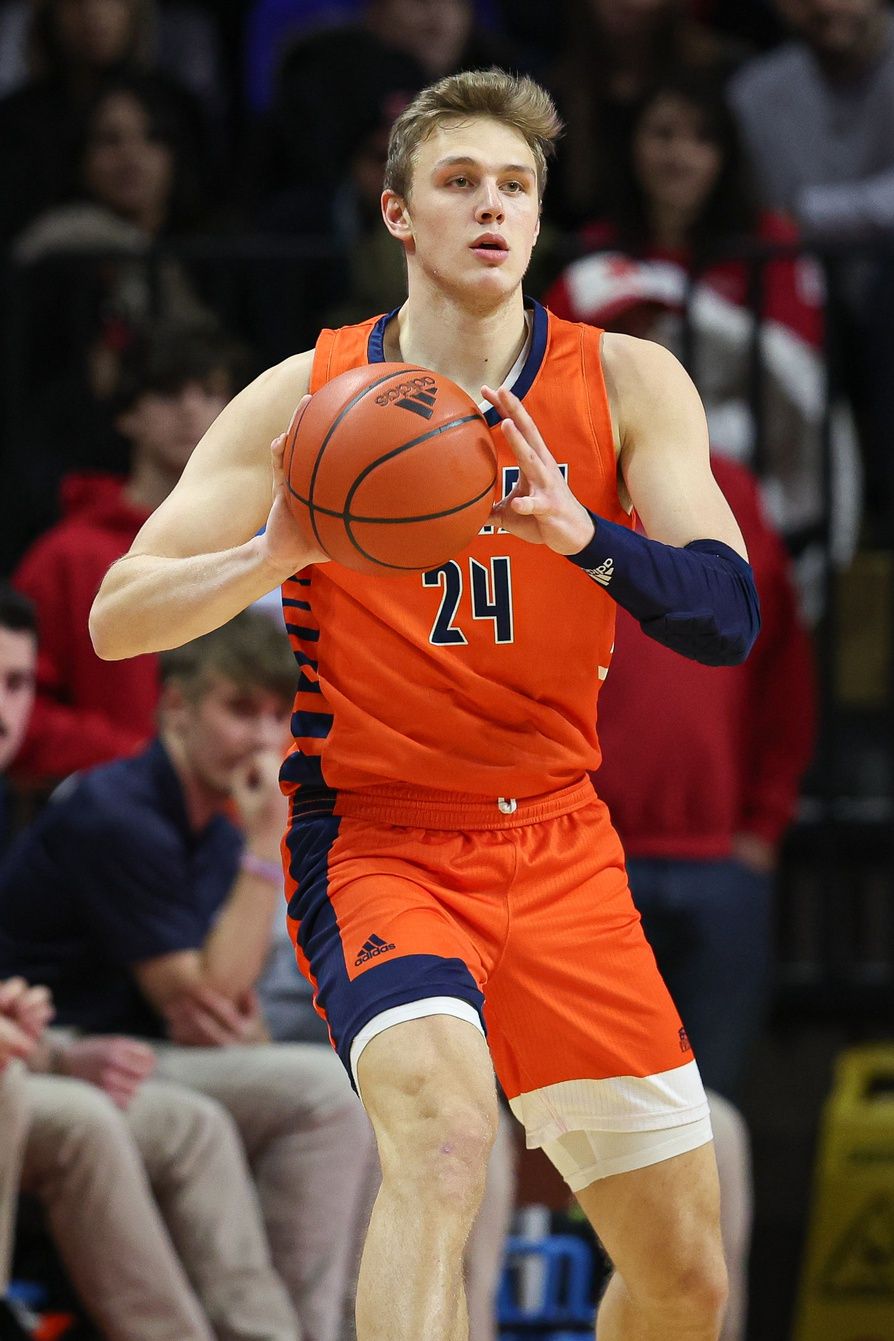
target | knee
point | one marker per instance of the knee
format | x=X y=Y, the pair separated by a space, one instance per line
x=440 y=1149
x=693 y=1288
x=87 y=1124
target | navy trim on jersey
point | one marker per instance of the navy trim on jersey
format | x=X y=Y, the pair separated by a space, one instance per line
x=375 y=351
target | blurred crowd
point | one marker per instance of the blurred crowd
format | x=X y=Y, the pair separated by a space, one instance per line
x=187 y=192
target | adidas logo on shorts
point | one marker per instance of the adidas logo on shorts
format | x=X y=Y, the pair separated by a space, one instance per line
x=372 y=948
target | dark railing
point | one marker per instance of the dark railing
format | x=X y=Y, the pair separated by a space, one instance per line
x=836 y=907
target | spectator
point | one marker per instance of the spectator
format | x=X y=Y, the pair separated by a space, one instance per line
x=343 y=81
x=147 y=910
x=832 y=88
x=73 y=49
x=701 y=793
x=615 y=52
x=702 y=851
x=88 y=1146
x=136 y=186
x=18 y=662
x=683 y=213
x=173 y=384
x=287 y=1006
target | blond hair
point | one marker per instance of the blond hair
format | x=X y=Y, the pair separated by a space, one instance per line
x=514 y=100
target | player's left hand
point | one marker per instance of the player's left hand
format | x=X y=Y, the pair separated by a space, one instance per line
x=541 y=508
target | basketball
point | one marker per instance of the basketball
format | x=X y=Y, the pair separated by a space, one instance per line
x=393 y=468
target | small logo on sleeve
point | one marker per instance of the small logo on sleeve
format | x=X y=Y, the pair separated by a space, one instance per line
x=685 y=1045
x=372 y=948
x=603 y=573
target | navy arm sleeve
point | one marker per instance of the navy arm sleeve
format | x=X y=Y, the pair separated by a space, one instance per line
x=699 y=600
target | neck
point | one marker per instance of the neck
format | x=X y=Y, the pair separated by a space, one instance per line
x=472 y=348
x=201 y=802
x=149 y=483
x=670 y=228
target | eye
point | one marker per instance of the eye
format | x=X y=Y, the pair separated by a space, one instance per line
x=459 y=181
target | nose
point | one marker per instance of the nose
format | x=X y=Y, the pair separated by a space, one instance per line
x=489 y=206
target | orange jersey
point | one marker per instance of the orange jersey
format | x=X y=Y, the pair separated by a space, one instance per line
x=482 y=676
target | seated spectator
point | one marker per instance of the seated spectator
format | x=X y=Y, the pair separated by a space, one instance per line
x=135 y=185
x=72 y=50
x=147 y=911
x=173 y=384
x=615 y=53
x=87 y=1131
x=18 y=677
x=701 y=771
x=683 y=212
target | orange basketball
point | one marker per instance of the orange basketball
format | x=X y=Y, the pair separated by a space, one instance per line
x=393 y=467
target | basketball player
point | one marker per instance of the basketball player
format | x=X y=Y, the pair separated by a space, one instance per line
x=448 y=862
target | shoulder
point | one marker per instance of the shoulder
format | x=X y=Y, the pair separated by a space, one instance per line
x=766 y=74
x=633 y=367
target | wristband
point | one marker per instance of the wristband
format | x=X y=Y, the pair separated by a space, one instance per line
x=252 y=864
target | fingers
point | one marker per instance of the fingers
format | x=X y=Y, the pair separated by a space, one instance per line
x=513 y=412
x=10 y=992
x=34 y=1010
x=14 y=1042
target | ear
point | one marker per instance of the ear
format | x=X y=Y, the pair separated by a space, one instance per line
x=397 y=217
x=172 y=706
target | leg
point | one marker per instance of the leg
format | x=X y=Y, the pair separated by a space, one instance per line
x=733 y=1150
x=485 y=1248
x=14 y=1127
x=709 y=925
x=428 y=1087
x=82 y=1164
x=195 y=1162
x=309 y=1146
x=660 y=1226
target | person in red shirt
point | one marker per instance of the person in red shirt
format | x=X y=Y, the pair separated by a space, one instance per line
x=174 y=384
x=701 y=792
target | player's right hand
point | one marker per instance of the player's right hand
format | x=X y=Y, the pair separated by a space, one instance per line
x=286 y=543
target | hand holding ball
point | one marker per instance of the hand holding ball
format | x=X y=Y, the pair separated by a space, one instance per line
x=391 y=468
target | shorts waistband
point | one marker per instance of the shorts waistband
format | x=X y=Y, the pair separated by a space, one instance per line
x=428 y=808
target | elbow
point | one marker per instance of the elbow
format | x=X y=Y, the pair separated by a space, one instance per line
x=701 y=638
x=102 y=634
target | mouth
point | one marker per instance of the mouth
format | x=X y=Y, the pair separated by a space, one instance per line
x=491 y=248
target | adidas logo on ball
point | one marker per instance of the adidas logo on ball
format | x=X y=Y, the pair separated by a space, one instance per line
x=418 y=394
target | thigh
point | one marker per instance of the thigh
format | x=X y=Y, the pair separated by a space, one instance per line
x=387 y=916
x=655 y=1222
x=583 y=1031
x=266 y=1088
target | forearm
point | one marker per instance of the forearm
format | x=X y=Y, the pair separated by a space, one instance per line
x=699 y=600
x=236 y=949
x=147 y=603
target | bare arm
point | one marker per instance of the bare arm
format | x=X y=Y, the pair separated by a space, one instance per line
x=198 y=561
x=215 y=981
x=663 y=445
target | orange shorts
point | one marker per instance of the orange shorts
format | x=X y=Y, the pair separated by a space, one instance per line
x=523 y=919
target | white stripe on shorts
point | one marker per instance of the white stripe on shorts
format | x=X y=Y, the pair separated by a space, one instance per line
x=619 y=1103
x=410 y=1010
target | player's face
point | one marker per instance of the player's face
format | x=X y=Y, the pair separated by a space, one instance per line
x=18 y=659
x=473 y=213
x=225 y=728
x=166 y=427
x=676 y=163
